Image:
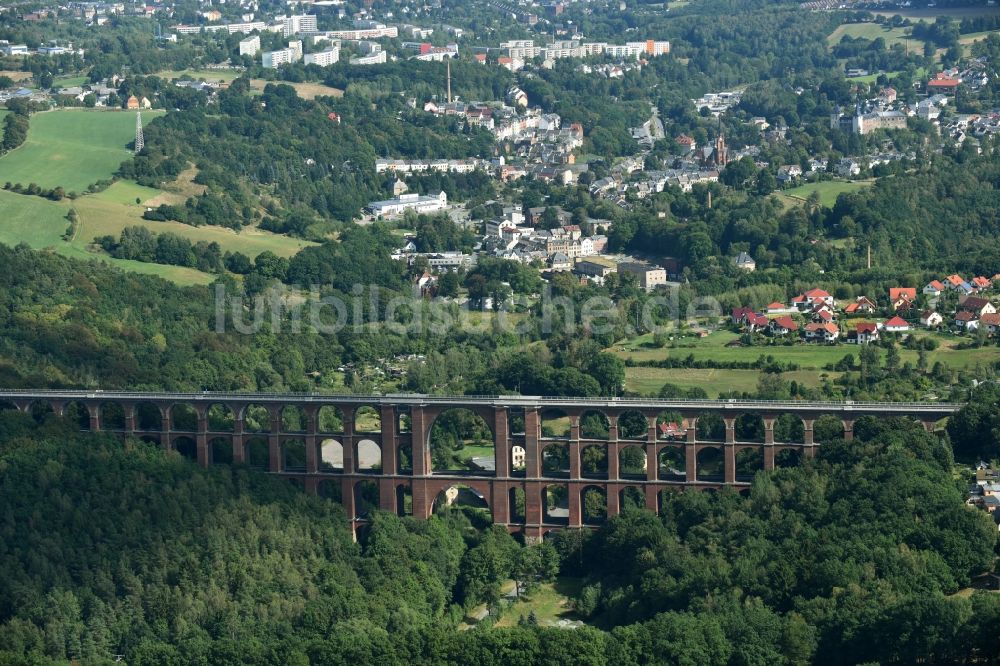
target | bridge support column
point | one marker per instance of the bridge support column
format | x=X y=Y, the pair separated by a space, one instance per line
x=387 y=495
x=848 y=430
x=612 y=501
x=929 y=426
x=501 y=446
x=95 y=416
x=532 y=456
x=614 y=446
x=390 y=447
x=312 y=428
x=729 y=451
x=730 y=429
x=768 y=429
x=347 y=497
x=652 y=463
x=274 y=442
x=573 y=447
x=419 y=445
x=690 y=463
x=129 y=419
x=534 y=499
x=347 y=446
x=768 y=458
x=807 y=431
x=239 y=443
x=652 y=501
x=500 y=502
x=201 y=440
x=575 y=502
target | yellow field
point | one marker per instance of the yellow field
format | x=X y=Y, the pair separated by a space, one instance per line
x=304 y=90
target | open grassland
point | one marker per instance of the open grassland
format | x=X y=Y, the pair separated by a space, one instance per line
x=550 y=603
x=874 y=31
x=16 y=76
x=930 y=14
x=208 y=75
x=715 y=382
x=304 y=90
x=71 y=148
x=828 y=190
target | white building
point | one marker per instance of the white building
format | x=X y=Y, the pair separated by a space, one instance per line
x=303 y=23
x=414 y=202
x=250 y=46
x=377 y=58
x=274 y=59
x=323 y=58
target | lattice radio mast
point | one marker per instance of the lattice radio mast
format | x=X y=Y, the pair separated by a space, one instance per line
x=139 y=142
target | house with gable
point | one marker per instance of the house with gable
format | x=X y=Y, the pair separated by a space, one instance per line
x=902 y=298
x=967 y=321
x=864 y=333
x=822 y=332
x=782 y=325
x=976 y=304
x=934 y=288
x=931 y=319
x=863 y=305
x=896 y=325
x=808 y=300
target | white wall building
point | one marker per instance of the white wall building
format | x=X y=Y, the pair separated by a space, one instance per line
x=250 y=46
x=275 y=59
x=414 y=202
x=301 y=23
x=323 y=58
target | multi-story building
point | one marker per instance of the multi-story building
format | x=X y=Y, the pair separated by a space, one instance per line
x=414 y=202
x=298 y=24
x=376 y=58
x=274 y=59
x=323 y=58
x=649 y=277
x=250 y=46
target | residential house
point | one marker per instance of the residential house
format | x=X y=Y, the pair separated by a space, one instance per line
x=740 y=315
x=822 y=332
x=981 y=283
x=965 y=320
x=934 y=288
x=560 y=262
x=865 y=333
x=812 y=298
x=931 y=319
x=957 y=283
x=896 y=325
x=902 y=298
x=782 y=325
x=777 y=308
x=745 y=262
x=976 y=304
x=991 y=321
x=862 y=305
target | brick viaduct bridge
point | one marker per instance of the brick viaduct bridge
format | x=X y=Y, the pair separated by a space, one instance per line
x=375 y=451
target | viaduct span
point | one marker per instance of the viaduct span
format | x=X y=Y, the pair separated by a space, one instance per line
x=375 y=451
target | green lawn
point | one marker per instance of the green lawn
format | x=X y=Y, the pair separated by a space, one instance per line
x=71 y=148
x=70 y=81
x=874 y=31
x=828 y=190
x=549 y=601
x=38 y=222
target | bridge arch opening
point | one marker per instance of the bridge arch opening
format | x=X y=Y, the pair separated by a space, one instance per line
x=632 y=462
x=594 y=461
x=256 y=418
x=555 y=504
x=633 y=425
x=404 y=500
x=710 y=427
x=330 y=419
x=515 y=421
x=710 y=464
x=461 y=441
x=112 y=416
x=664 y=500
x=331 y=456
x=631 y=498
x=40 y=411
x=8 y=406
x=593 y=505
x=404 y=421
x=594 y=425
x=404 y=458
x=330 y=489
x=293 y=455
x=293 y=419
x=220 y=418
x=749 y=461
x=789 y=429
x=516 y=510
x=186 y=447
x=462 y=498
x=368 y=458
x=555 y=424
x=366 y=499
x=518 y=459
x=183 y=418
x=257 y=453
x=297 y=484
x=673 y=463
x=827 y=428
x=367 y=419
x=787 y=457
x=78 y=414
x=148 y=417
x=749 y=427
x=670 y=427
x=555 y=460
x=221 y=450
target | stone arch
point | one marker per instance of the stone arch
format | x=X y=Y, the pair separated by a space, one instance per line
x=293 y=418
x=516 y=506
x=330 y=419
x=77 y=412
x=404 y=458
x=633 y=425
x=404 y=419
x=673 y=463
x=670 y=426
x=331 y=456
x=112 y=416
x=749 y=461
x=595 y=424
x=827 y=428
x=148 y=417
x=256 y=418
x=555 y=503
x=220 y=418
x=632 y=462
x=631 y=497
x=789 y=456
x=40 y=410
x=593 y=505
x=257 y=452
x=293 y=455
x=186 y=447
x=221 y=450
x=749 y=427
x=366 y=498
x=330 y=489
x=368 y=456
x=594 y=461
x=367 y=419
x=788 y=428
x=404 y=499
x=462 y=440
x=183 y=417
x=554 y=424
x=710 y=427
x=555 y=460
x=710 y=464
x=461 y=496
x=515 y=421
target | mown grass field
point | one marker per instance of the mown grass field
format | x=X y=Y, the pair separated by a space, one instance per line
x=549 y=601
x=874 y=31
x=71 y=148
x=930 y=14
x=828 y=190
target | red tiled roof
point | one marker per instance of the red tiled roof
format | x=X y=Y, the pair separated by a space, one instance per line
x=816 y=293
x=866 y=327
x=941 y=81
x=955 y=279
x=991 y=319
x=936 y=284
x=909 y=293
x=896 y=322
x=786 y=322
